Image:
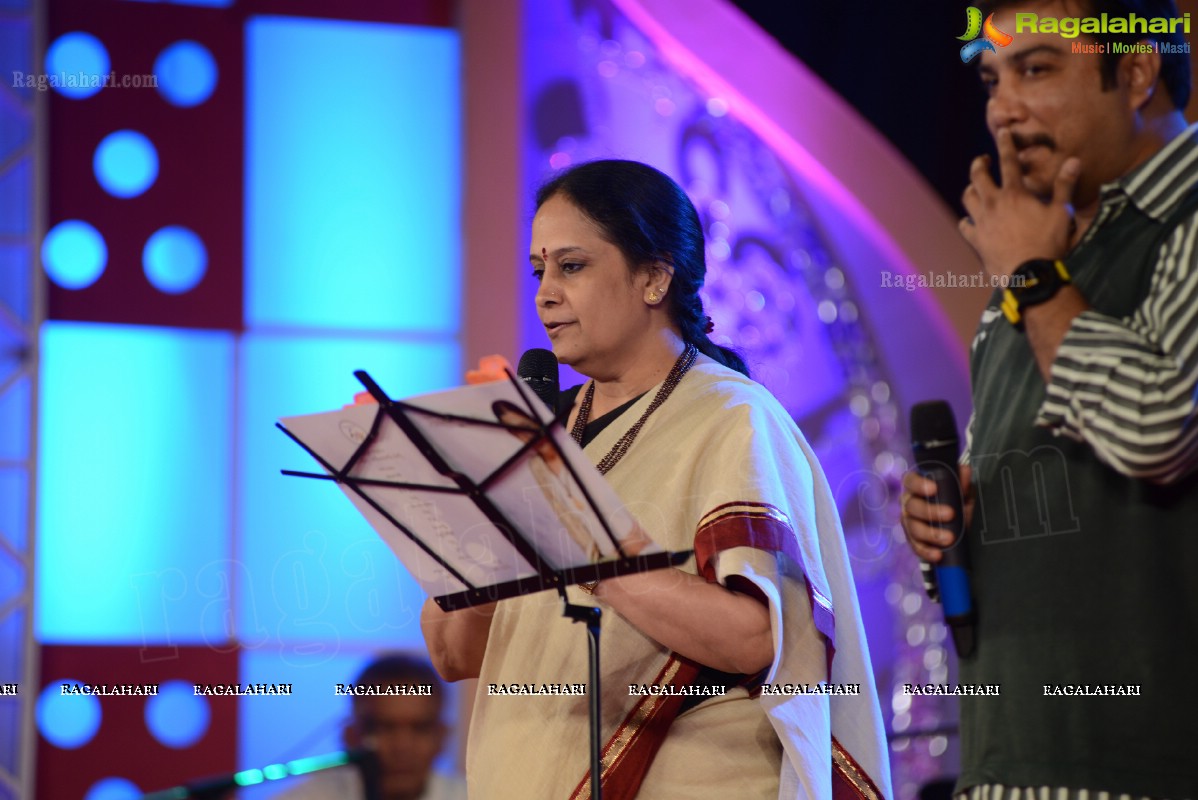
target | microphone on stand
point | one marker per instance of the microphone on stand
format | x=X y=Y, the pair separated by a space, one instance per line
x=538 y=369
x=936 y=448
x=219 y=786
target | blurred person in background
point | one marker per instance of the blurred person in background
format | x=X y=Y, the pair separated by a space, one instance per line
x=405 y=732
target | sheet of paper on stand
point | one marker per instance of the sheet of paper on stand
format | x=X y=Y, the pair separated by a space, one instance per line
x=476 y=430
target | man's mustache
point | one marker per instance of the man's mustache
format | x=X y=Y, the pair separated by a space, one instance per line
x=1041 y=139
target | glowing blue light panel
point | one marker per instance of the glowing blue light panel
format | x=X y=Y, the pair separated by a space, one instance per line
x=68 y=721
x=177 y=716
x=186 y=73
x=174 y=259
x=134 y=478
x=126 y=163
x=113 y=789
x=74 y=254
x=77 y=63
x=314 y=572
x=352 y=184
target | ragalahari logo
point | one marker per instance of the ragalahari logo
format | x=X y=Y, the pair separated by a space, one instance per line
x=990 y=35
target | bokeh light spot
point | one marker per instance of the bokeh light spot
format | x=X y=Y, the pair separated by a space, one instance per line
x=113 y=789
x=126 y=163
x=74 y=254
x=187 y=73
x=77 y=64
x=175 y=259
x=67 y=720
x=176 y=716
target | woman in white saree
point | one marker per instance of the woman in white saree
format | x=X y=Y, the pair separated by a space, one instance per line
x=742 y=674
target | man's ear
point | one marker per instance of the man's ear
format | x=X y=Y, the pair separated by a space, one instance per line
x=350 y=737
x=1140 y=73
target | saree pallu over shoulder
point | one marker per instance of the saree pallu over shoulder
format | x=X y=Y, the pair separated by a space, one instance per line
x=763 y=527
x=766 y=528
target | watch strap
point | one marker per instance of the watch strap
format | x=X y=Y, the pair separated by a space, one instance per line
x=1039 y=281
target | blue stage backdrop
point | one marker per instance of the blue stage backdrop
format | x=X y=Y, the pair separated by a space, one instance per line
x=251 y=200
x=247 y=202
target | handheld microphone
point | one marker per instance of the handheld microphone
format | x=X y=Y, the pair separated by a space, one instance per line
x=936 y=448
x=538 y=369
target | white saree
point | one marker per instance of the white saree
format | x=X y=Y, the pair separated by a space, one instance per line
x=721 y=468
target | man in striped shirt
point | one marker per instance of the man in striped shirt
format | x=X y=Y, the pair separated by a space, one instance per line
x=1079 y=477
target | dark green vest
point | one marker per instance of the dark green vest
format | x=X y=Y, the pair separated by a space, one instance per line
x=1081 y=575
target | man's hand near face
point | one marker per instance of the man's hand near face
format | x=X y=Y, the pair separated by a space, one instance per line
x=1007 y=224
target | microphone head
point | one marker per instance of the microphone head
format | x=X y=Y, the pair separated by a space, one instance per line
x=933 y=423
x=537 y=362
x=538 y=369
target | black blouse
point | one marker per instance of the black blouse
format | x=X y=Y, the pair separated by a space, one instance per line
x=565 y=401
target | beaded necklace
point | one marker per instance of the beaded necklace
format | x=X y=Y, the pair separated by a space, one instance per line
x=684 y=363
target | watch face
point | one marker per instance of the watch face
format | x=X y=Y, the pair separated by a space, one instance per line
x=1036 y=281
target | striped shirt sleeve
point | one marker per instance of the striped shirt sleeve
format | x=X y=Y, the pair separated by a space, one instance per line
x=1127 y=387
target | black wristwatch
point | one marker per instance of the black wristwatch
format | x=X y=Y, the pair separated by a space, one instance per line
x=1032 y=283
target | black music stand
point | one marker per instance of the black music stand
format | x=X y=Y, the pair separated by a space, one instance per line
x=547 y=577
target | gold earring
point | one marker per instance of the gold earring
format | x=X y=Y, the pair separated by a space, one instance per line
x=653 y=298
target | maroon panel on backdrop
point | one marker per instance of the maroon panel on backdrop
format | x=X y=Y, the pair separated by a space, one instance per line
x=123 y=746
x=199 y=184
x=200 y=151
x=434 y=13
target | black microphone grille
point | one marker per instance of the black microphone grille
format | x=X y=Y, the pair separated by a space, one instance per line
x=537 y=363
x=933 y=421
x=538 y=369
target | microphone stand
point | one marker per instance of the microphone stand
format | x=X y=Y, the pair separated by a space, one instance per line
x=590 y=615
x=371 y=771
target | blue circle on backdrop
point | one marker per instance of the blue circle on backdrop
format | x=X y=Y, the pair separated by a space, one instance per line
x=174 y=259
x=74 y=254
x=113 y=789
x=67 y=720
x=78 y=63
x=186 y=73
x=126 y=163
x=176 y=716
